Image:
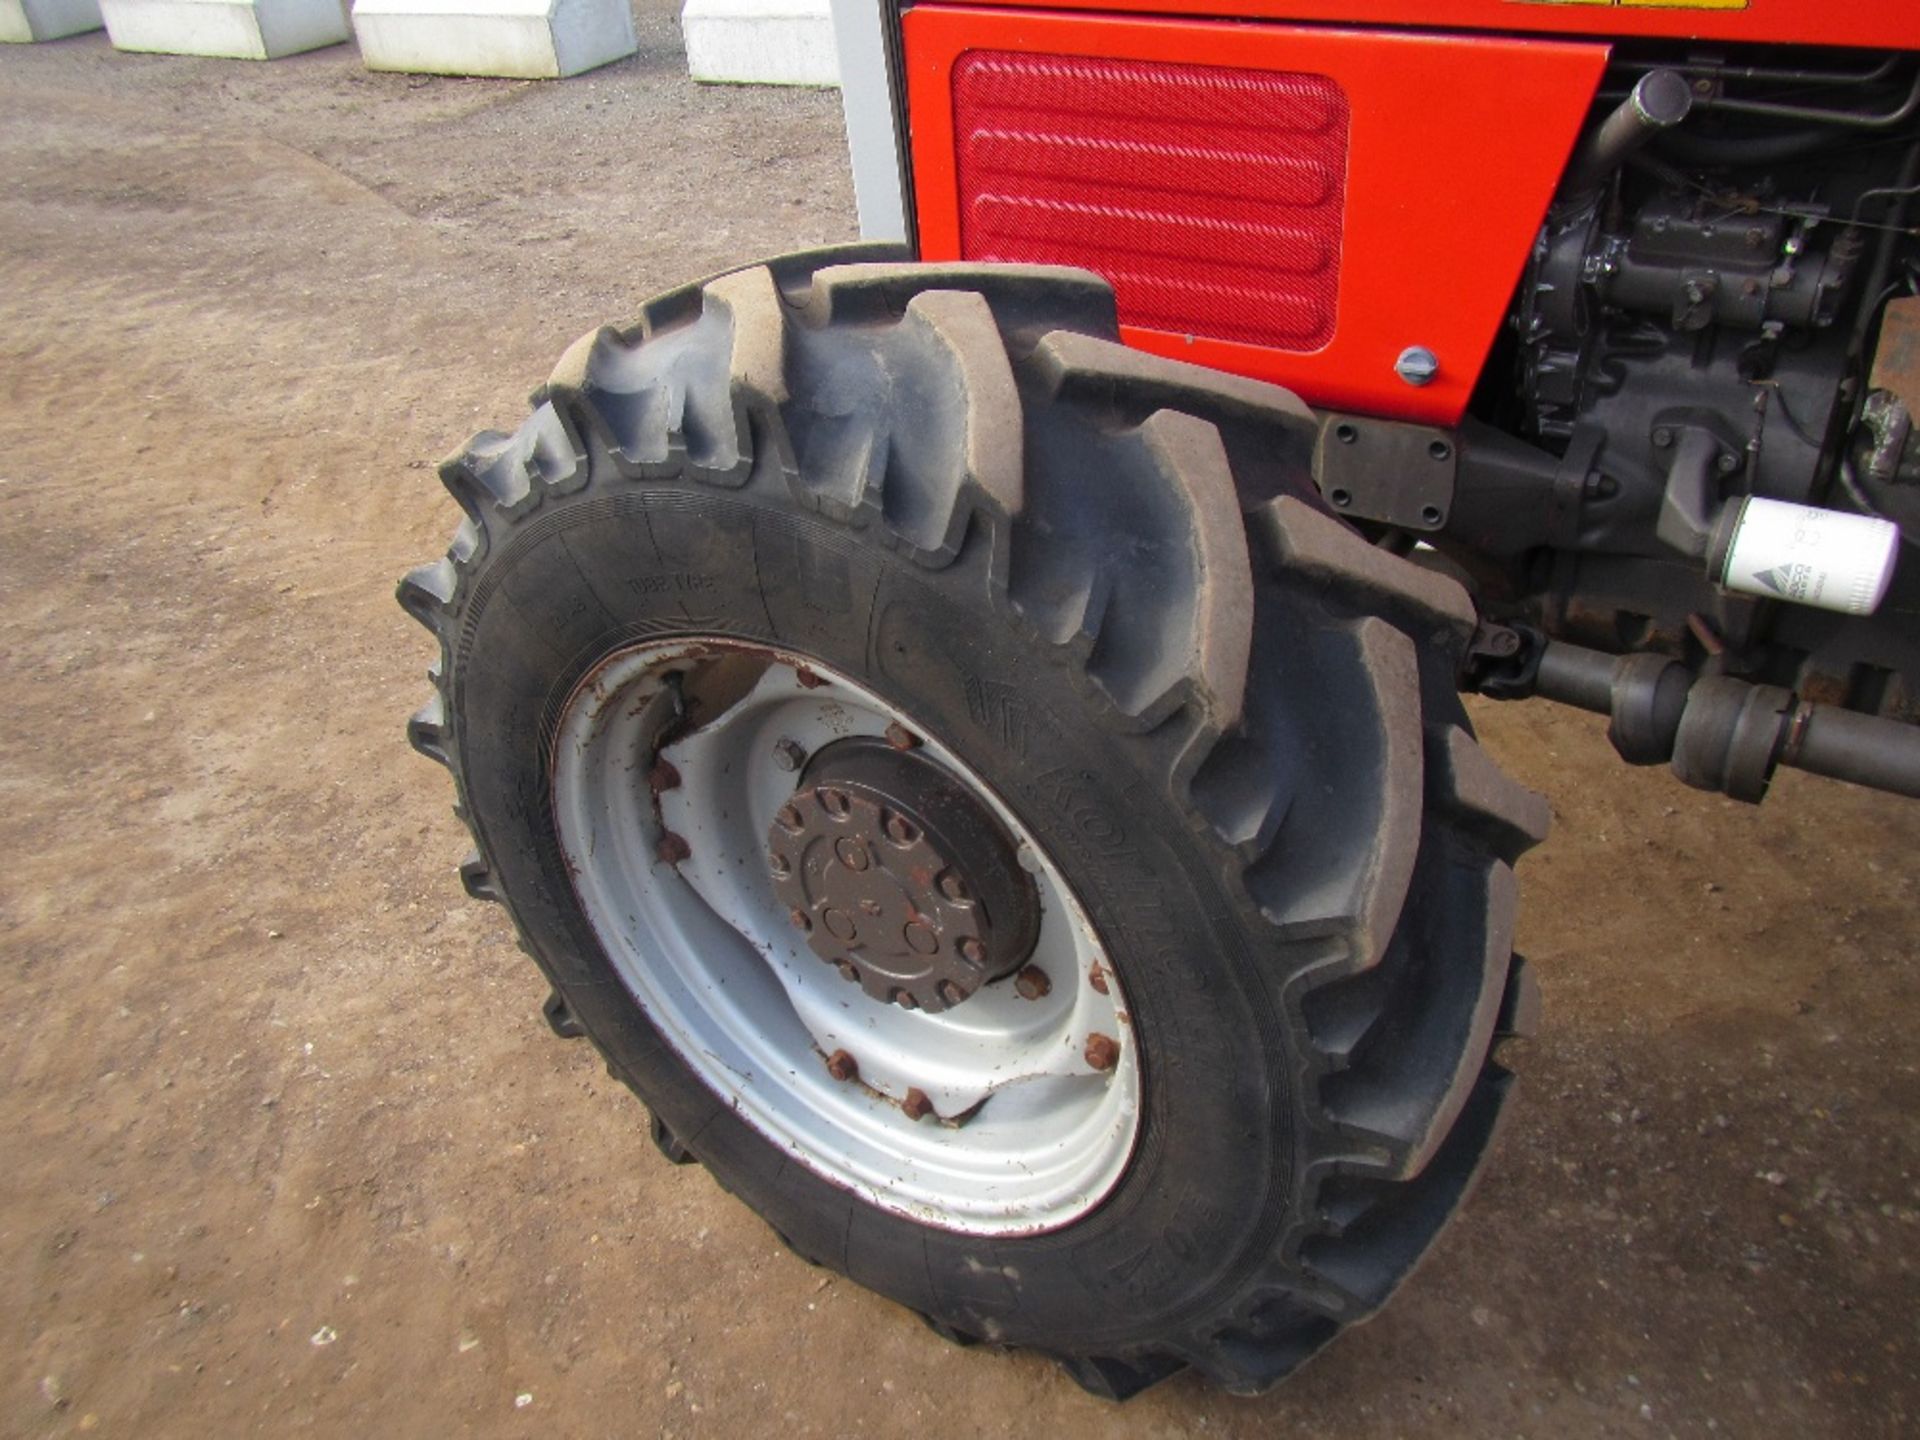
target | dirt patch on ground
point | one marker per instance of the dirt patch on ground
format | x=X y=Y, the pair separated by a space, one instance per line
x=286 y=1143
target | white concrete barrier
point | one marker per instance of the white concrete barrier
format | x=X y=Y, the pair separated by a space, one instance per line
x=22 y=21
x=760 y=42
x=525 y=39
x=235 y=29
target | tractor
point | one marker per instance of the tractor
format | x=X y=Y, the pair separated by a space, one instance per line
x=970 y=723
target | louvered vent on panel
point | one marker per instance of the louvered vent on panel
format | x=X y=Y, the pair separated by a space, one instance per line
x=1210 y=197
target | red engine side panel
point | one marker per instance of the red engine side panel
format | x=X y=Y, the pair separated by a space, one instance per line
x=1876 y=24
x=1200 y=167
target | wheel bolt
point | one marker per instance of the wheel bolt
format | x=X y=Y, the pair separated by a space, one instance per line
x=842 y=1066
x=1032 y=983
x=847 y=972
x=950 y=992
x=1097 y=978
x=788 y=755
x=780 y=867
x=900 y=830
x=971 y=950
x=790 y=820
x=904 y=999
x=916 y=1106
x=901 y=738
x=1102 y=1052
x=834 y=802
x=801 y=920
x=953 y=887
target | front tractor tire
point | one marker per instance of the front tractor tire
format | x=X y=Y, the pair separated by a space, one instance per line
x=956 y=773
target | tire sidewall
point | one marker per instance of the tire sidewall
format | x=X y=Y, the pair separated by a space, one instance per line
x=1210 y=1181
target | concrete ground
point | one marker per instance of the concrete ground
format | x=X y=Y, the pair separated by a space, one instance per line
x=284 y=1144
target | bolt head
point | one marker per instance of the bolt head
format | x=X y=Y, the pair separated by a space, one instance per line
x=971 y=950
x=916 y=1106
x=834 y=802
x=842 y=1066
x=1417 y=365
x=904 y=999
x=802 y=921
x=1102 y=1052
x=789 y=820
x=1032 y=983
x=951 y=993
x=954 y=888
x=780 y=866
x=1097 y=978
x=900 y=830
x=788 y=755
x=901 y=738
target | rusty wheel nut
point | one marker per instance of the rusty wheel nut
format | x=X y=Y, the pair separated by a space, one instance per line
x=1032 y=983
x=1103 y=1051
x=801 y=920
x=1097 y=978
x=847 y=972
x=971 y=950
x=950 y=992
x=834 y=802
x=790 y=820
x=842 y=1066
x=901 y=738
x=788 y=755
x=953 y=887
x=904 y=999
x=672 y=849
x=900 y=829
x=916 y=1106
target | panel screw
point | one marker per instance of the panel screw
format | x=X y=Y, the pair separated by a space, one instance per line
x=788 y=755
x=1417 y=365
x=1102 y=1052
x=901 y=738
x=842 y=1066
x=1032 y=983
x=916 y=1106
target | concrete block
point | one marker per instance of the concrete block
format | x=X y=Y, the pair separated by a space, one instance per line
x=25 y=20
x=761 y=42
x=525 y=39
x=235 y=29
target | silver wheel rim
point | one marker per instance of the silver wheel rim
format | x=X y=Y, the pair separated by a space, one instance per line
x=1025 y=1134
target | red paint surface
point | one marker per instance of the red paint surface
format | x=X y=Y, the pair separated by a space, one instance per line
x=1880 y=24
x=1211 y=197
x=1454 y=145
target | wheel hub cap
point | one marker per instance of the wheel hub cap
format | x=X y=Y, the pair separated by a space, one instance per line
x=899 y=877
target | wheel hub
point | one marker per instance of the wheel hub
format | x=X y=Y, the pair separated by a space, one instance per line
x=900 y=877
